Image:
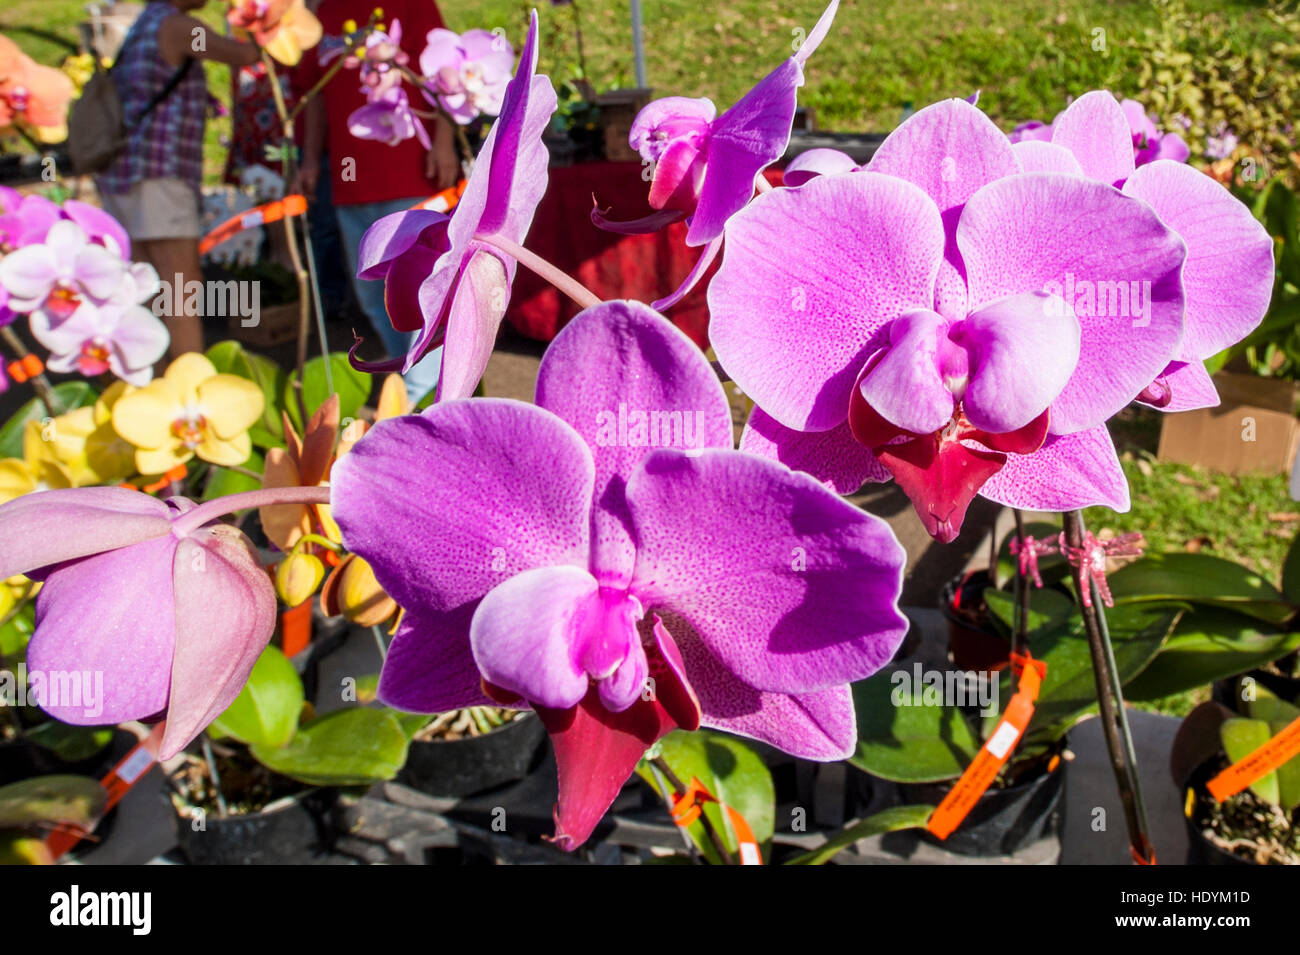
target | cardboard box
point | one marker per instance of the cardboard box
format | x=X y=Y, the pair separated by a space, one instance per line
x=618 y=108
x=1253 y=430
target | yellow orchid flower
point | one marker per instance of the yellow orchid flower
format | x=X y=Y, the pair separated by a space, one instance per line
x=191 y=410
x=19 y=476
x=83 y=441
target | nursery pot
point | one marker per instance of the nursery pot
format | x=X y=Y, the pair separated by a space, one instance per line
x=973 y=642
x=1004 y=821
x=294 y=831
x=1200 y=850
x=464 y=767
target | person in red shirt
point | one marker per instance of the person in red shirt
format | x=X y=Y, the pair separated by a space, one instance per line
x=371 y=179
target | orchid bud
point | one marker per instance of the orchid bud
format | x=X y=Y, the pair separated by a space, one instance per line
x=353 y=591
x=297 y=577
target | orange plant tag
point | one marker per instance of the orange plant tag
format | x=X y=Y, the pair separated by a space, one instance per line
x=293 y=205
x=688 y=806
x=1282 y=748
x=444 y=201
x=118 y=782
x=979 y=775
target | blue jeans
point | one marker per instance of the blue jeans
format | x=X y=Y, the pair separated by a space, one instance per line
x=354 y=220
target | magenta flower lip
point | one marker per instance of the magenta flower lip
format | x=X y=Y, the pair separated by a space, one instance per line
x=560 y=554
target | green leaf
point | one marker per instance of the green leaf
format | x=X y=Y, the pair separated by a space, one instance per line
x=266 y=710
x=70 y=743
x=1288 y=774
x=904 y=738
x=1200 y=579
x=70 y=395
x=223 y=481
x=1269 y=707
x=888 y=820
x=1241 y=737
x=1047 y=608
x=353 y=388
x=1291 y=572
x=19 y=849
x=1068 y=690
x=732 y=772
x=412 y=723
x=231 y=358
x=72 y=800
x=1208 y=644
x=16 y=633
x=351 y=747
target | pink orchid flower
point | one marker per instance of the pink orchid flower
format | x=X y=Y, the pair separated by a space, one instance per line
x=606 y=558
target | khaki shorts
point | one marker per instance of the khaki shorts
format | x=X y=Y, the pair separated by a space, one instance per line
x=156 y=209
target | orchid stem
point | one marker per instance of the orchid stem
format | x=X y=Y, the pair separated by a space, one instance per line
x=305 y=302
x=379 y=642
x=1110 y=699
x=264 y=497
x=679 y=787
x=1020 y=633
x=40 y=384
x=535 y=263
x=216 y=777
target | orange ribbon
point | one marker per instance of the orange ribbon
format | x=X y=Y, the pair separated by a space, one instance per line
x=118 y=783
x=1282 y=748
x=687 y=808
x=292 y=205
x=979 y=775
x=444 y=201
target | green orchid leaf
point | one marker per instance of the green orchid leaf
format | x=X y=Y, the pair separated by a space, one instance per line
x=906 y=737
x=70 y=800
x=732 y=772
x=266 y=710
x=351 y=747
x=1209 y=644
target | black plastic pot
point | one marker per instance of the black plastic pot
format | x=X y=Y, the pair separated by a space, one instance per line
x=463 y=767
x=22 y=759
x=973 y=642
x=1004 y=821
x=1200 y=850
x=298 y=832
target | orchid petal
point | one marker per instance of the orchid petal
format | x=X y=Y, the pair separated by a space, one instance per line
x=1228 y=276
x=1068 y=472
x=790 y=587
x=834 y=457
x=792 y=325
x=1096 y=131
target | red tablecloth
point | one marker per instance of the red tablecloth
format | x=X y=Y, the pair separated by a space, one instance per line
x=643 y=267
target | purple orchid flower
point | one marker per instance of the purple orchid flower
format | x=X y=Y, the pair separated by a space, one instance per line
x=119 y=336
x=706 y=167
x=388 y=118
x=57 y=274
x=171 y=612
x=467 y=72
x=449 y=277
x=1229 y=274
x=1149 y=144
x=916 y=322
x=606 y=558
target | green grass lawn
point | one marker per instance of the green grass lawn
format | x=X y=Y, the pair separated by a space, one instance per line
x=1025 y=56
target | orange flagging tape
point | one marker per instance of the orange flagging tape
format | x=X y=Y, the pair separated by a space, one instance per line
x=293 y=205
x=1282 y=748
x=118 y=782
x=175 y=474
x=687 y=808
x=979 y=775
x=444 y=201
x=25 y=368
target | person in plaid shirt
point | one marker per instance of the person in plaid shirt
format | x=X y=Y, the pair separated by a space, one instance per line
x=152 y=188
